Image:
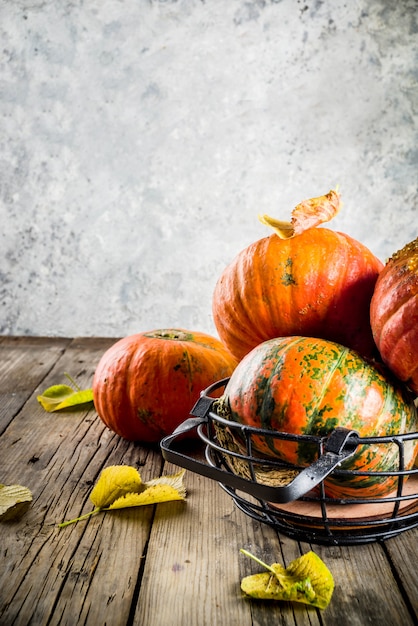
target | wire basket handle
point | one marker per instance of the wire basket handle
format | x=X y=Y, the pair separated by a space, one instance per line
x=339 y=445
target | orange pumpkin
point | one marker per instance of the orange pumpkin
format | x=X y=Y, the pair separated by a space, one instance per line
x=394 y=314
x=301 y=280
x=308 y=386
x=146 y=384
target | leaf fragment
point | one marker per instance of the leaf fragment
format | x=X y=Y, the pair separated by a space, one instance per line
x=151 y=495
x=173 y=480
x=14 y=501
x=60 y=397
x=307 y=579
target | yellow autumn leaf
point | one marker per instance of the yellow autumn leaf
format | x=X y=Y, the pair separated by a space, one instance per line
x=151 y=495
x=307 y=580
x=173 y=480
x=114 y=482
x=14 y=501
x=120 y=486
x=60 y=397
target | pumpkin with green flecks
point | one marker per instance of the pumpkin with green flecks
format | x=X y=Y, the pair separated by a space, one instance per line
x=309 y=386
x=145 y=385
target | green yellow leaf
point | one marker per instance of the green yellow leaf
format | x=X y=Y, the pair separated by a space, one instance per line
x=14 y=501
x=60 y=397
x=307 y=580
x=115 y=482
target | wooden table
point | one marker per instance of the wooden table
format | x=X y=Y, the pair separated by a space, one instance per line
x=174 y=563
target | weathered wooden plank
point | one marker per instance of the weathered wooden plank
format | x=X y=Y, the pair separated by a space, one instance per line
x=403 y=555
x=366 y=591
x=194 y=563
x=214 y=531
x=362 y=576
x=24 y=362
x=85 y=573
x=130 y=567
x=191 y=573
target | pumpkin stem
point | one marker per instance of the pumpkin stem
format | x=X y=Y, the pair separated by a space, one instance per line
x=170 y=333
x=408 y=253
x=307 y=214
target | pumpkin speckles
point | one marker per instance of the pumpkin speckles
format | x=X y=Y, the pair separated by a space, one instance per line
x=307 y=386
x=287 y=275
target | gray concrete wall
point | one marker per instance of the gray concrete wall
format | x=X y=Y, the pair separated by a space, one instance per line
x=140 y=139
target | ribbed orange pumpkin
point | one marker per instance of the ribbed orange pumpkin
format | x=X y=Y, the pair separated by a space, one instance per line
x=315 y=282
x=307 y=386
x=394 y=314
x=146 y=384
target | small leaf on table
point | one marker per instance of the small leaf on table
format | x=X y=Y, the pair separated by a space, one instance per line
x=60 y=397
x=14 y=501
x=307 y=580
x=121 y=486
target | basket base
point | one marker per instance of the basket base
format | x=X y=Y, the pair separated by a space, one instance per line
x=318 y=528
x=371 y=512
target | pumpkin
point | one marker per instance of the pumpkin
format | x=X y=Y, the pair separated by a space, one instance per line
x=310 y=386
x=145 y=385
x=394 y=314
x=301 y=280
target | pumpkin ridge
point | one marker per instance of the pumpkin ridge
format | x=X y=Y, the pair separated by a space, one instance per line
x=333 y=367
x=236 y=328
x=394 y=314
x=189 y=367
x=243 y=271
x=402 y=328
x=265 y=398
x=388 y=408
x=256 y=319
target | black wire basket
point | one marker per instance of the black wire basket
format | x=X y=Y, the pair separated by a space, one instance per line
x=293 y=499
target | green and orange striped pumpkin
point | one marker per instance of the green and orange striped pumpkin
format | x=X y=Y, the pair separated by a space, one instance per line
x=308 y=386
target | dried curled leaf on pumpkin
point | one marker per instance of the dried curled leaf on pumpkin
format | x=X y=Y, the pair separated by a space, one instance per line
x=14 y=501
x=307 y=214
x=60 y=397
x=121 y=486
x=307 y=579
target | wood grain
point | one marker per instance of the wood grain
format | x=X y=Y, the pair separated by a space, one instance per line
x=175 y=563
